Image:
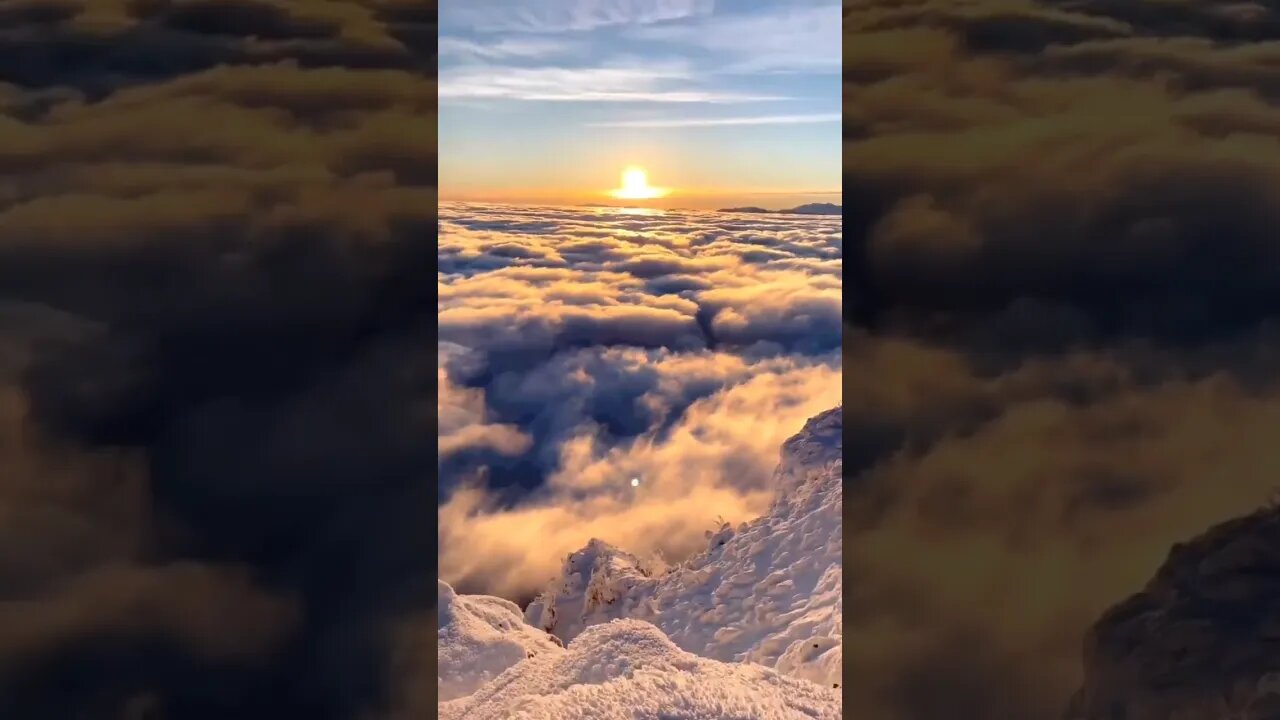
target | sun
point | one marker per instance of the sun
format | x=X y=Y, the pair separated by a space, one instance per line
x=635 y=186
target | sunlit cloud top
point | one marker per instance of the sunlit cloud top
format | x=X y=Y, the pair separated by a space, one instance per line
x=554 y=99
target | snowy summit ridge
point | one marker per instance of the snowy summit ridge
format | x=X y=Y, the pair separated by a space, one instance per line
x=629 y=670
x=749 y=627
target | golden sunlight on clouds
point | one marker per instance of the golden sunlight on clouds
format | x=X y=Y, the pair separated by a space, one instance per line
x=635 y=186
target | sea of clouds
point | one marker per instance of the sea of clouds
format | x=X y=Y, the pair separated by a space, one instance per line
x=581 y=347
x=216 y=436
x=1064 y=296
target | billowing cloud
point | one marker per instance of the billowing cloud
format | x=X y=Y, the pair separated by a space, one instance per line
x=1063 y=284
x=215 y=378
x=461 y=417
x=677 y=348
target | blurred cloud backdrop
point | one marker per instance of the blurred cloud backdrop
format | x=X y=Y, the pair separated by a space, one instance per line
x=1062 y=344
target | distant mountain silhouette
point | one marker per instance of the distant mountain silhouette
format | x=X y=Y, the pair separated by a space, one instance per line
x=815 y=209
x=809 y=209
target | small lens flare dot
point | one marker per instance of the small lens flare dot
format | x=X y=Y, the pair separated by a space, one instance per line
x=635 y=482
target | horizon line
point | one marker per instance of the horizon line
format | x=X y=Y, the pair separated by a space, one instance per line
x=444 y=195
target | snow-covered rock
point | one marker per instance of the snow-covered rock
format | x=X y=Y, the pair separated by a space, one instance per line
x=767 y=592
x=599 y=583
x=629 y=670
x=479 y=637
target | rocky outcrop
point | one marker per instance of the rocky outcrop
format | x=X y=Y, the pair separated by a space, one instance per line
x=598 y=583
x=1202 y=639
x=767 y=591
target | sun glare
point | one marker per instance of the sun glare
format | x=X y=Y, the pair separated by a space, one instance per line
x=635 y=186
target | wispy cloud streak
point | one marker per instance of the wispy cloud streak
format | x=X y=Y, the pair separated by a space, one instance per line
x=715 y=122
x=553 y=16
x=787 y=39
x=597 y=84
x=506 y=48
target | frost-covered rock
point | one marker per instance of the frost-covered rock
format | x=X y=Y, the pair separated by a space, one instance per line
x=481 y=636
x=598 y=583
x=1202 y=639
x=767 y=592
x=809 y=456
x=629 y=670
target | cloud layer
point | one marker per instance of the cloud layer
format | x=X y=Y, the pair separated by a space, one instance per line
x=1063 y=288
x=595 y=345
x=214 y=396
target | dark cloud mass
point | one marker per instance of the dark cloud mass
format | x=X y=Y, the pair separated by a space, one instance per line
x=1064 y=287
x=215 y=323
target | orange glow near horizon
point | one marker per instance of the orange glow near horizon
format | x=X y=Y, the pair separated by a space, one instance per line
x=635 y=186
x=696 y=197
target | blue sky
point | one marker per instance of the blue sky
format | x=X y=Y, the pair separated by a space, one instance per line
x=553 y=99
